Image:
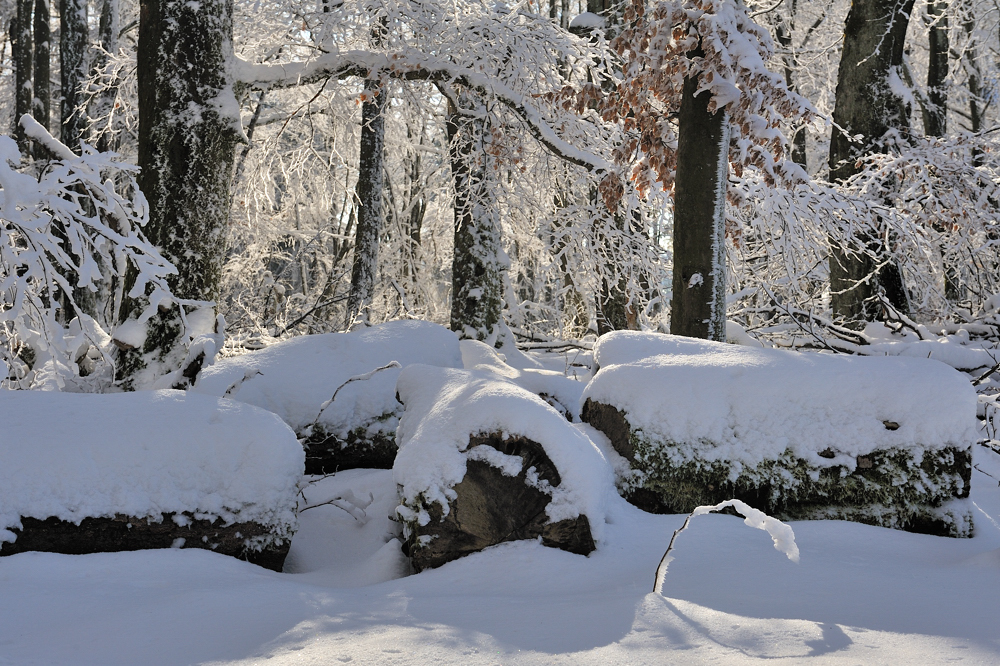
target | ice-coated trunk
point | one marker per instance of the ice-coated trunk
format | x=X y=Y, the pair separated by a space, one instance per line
x=74 y=36
x=42 y=103
x=867 y=105
x=368 y=199
x=21 y=53
x=478 y=261
x=698 y=305
x=189 y=125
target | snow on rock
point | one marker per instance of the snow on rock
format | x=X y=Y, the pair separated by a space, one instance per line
x=552 y=386
x=73 y=456
x=587 y=21
x=447 y=408
x=297 y=376
x=905 y=424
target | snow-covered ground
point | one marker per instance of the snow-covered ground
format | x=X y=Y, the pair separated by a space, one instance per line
x=859 y=595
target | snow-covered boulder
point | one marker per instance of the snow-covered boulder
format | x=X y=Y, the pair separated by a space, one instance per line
x=84 y=473
x=880 y=440
x=483 y=461
x=555 y=388
x=296 y=377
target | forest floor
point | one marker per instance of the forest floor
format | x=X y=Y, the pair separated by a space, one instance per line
x=859 y=594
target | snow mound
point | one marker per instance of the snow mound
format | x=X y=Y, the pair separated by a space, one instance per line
x=753 y=404
x=444 y=407
x=72 y=456
x=552 y=386
x=297 y=376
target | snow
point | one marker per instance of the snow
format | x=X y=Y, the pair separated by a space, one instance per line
x=297 y=376
x=752 y=404
x=445 y=406
x=144 y=454
x=564 y=391
x=859 y=595
x=587 y=21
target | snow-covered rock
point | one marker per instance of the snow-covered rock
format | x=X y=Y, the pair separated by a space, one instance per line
x=148 y=458
x=554 y=387
x=482 y=460
x=883 y=440
x=296 y=377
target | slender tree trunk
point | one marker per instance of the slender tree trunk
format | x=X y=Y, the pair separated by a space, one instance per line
x=698 y=306
x=74 y=37
x=784 y=36
x=21 y=52
x=936 y=116
x=108 y=40
x=478 y=261
x=42 y=103
x=368 y=195
x=866 y=105
x=189 y=126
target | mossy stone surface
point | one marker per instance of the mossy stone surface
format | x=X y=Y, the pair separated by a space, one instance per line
x=908 y=489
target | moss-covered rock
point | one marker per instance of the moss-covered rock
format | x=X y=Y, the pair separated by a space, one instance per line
x=910 y=489
x=364 y=447
x=490 y=506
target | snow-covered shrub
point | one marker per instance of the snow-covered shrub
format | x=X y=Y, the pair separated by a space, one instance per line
x=458 y=421
x=881 y=440
x=68 y=237
x=149 y=457
x=295 y=377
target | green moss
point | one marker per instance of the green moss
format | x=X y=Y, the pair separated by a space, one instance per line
x=890 y=488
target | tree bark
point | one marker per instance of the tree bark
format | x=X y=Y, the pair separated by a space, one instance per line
x=189 y=126
x=866 y=104
x=698 y=306
x=42 y=102
x=108 y=40
x=936 y=116
x=21 y=52
x=478 y=261
x=368 y=197
x=784 y=37
x=74 y=37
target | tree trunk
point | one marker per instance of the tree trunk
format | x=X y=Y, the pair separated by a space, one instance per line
x=478 y=261
x=784 y=36
x=866 y=105
x=936 y=115
x=74 y=37
x=698 y=306
x=189 y=126
x=108 y=40
x=42 y=103
x=368 y=198
x=21 y=52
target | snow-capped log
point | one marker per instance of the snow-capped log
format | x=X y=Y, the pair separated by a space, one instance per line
x=483 y=461
x=141 y=470
x=879 y=440
x=294 y=378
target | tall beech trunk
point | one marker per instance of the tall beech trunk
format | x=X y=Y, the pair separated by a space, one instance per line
x=698 y=306
x=478 y=261
x=866 y=105
x=368 y=197
x=21 y=52
x=189 y=126
x=42 y=103
x=74 y=36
